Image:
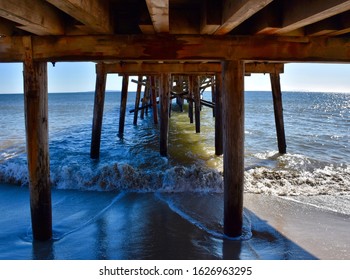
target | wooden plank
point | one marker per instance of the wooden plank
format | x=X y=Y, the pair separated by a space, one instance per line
x=235 y=12
x=37 y=17
x=300 y=13
x=36 y=123
x=233 y=139
x=278 y=111
x=164 y=113
x=159 y=12
x=94 y=14
x=218 y=115
x=123 y=101
x=100 y=89
x=180 y=48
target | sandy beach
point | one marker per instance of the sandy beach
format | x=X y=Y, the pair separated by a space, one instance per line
x=107 y=225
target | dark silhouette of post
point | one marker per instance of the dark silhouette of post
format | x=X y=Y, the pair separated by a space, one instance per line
x=218 y=115
x=278 y=109
x=100 y=89
x=124 y=97
x=164 y=113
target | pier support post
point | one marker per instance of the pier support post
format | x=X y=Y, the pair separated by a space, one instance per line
x=137 y=99
x=154 y=100
x=213 y=93
x=197 y=104
x=190 y=103
x=100 y=89
x=36 y=123
x=164 y=113
x=124 y=97
x=233 y=136
x=218 y=115
x=278 y=109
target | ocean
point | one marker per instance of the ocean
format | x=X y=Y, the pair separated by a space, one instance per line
x=315 y=172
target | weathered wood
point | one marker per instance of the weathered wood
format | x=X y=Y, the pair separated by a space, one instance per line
x=159 y=12
x=145 y=98
x=233 y=139
x=37 y=17
x=164 y=90
x=100 y=89
x=213 y=91
x=94 y=14
x=197 y=103
x=278 y=110
x=36 y=123
x=137 y=99
x=156 y=68
x=299 y=13
x=218 y=115
x=190 y=99
x=235 y=12
x=124 y=97
x=210 y=16
x=181 y=48
x=154 y=100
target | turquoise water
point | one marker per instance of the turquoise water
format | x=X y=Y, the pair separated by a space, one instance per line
x=317 y=163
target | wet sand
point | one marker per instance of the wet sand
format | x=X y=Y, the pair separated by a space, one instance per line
x=106 y=225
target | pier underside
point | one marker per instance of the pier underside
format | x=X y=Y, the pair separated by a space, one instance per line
x=175 y=47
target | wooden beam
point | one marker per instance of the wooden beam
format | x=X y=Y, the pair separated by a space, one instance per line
x=37 y=17
x=179 y=48
x=233 y=132
x=36 y=123
x=94 y=14
x=210 y=16
x=134 y=69
x=156 y=68
x=100 y=89
x=300 y=13
x=6 y=27
x=235 y=12
x=159 y=12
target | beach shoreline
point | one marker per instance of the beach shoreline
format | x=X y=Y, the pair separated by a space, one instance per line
x=111 y=225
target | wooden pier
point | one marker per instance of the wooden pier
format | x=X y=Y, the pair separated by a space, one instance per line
x=173 y=44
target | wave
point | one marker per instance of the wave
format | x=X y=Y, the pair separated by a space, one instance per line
x=291 y=180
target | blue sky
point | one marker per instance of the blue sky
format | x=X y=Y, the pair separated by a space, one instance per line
x=73 y=77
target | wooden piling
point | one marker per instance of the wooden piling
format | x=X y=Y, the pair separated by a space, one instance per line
x=278 y=110
x=233 y=136
x=218 y=115
x=197 y=103
x=145 y=98
x=164 y=92
x=137 y=99
x=190 y=102
x=154 y=100
x=36 y=123
x=100 y=89
x=124 y=97
x=213 y=93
